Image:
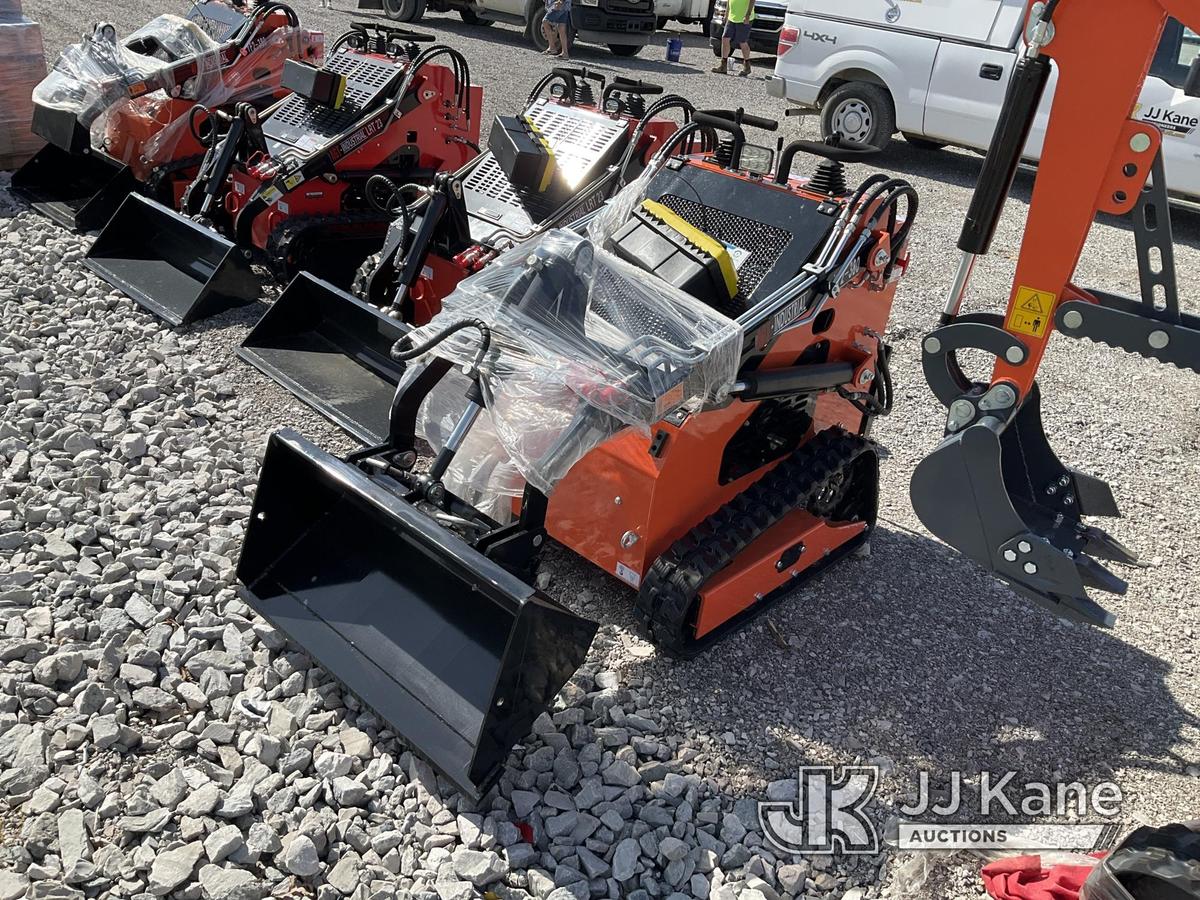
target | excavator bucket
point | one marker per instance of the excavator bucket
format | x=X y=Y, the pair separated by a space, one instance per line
x=178 y=269
x=332 y=351
x=457 y=654
x=78 y=191
x=996 y=491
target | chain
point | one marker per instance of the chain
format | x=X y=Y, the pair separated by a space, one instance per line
x=817 y=476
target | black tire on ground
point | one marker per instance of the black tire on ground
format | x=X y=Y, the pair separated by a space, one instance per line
x=861 y=112
x=624 y=49
x=924 y=143
x=533 y=27
x=471 y=18
x=404 y=10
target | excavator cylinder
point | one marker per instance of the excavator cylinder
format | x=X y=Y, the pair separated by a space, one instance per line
x=457 y=654
x=332 y=351
x=178 y=269
x=78 y=191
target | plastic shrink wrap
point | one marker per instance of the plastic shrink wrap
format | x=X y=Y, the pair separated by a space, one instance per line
x=22 y=65
x=583 y=345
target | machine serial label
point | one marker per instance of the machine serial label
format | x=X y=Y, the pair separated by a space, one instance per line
x=1031 y=311
x=627 y=575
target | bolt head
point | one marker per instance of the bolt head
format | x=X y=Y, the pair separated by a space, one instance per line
x=537 y=540
x=628 y=539
x=1139 y=143
x=881 y=257
x=1003 y=396
x=1072 y=318
x=1030 y=568
x=866 y=377
x=1025 y=547
x=1015 y=355
x=932 y=345
x=1158 y=339
x=1010 y=555
x=617 y=501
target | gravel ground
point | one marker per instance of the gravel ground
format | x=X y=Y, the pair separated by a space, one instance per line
x=156 y=738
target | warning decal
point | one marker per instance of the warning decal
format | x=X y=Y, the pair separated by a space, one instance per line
x=1031 y=311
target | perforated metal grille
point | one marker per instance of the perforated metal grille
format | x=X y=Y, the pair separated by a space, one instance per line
x=580 y=140
x=299 y=118
x=765 y=243
x=577 y=138
x=615 y=302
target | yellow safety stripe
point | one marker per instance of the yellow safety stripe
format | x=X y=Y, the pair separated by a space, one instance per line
x=551 y=162
x=705 y=242
x=341 y=92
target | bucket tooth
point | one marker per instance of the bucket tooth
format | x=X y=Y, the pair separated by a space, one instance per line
x=456 y=653
x=178 y=269
x=332 y=351
x=1098 y=542
x=1095 y=575
x=78 y=191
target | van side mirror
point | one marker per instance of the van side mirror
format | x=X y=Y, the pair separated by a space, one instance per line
x=1191 y=85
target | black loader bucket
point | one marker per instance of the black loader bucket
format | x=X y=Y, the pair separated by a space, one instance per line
x=455 y=653
x=332 y=351
x=997 y=492
x=76 y=190
x=176 y=268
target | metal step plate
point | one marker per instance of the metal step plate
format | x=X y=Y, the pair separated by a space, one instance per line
x=303 y=125
x=584 y=144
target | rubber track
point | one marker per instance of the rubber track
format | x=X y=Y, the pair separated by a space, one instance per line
x=675 y=580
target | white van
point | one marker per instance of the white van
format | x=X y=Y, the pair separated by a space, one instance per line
x=936 y=71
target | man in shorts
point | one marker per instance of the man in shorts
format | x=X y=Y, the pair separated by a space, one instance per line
x=738 y=16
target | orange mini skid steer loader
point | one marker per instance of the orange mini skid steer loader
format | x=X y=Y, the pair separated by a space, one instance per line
x=736 y=316
x=994 y=488
x=288 y=187
x=577 y=141
x=115 y=115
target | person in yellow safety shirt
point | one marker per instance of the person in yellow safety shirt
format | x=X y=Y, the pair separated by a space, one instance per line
x=738 y=16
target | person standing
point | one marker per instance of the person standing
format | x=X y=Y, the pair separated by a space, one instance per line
x=556 y=28
x=738 y=16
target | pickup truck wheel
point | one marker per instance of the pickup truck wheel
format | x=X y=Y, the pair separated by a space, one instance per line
x=861 y=113
x=404 y=10
x=472 y=18
x=625 y=49
x=533 y=28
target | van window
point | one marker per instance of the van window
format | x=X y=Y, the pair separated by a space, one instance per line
x=1179 y=46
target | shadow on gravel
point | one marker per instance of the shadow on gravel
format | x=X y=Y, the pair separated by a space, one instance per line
x=961 y=168
x=916 y=656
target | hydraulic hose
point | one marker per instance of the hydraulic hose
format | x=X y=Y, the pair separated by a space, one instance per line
x=402 y=351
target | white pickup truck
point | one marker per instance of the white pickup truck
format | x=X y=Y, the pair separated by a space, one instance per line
x=936 y=72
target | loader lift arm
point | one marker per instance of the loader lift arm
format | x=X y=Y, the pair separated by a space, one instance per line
x=993 y=488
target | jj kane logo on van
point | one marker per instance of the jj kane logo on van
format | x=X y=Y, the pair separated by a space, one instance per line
x=1167 y=120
